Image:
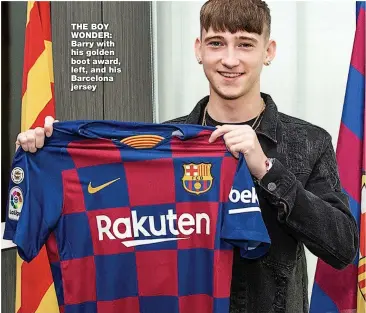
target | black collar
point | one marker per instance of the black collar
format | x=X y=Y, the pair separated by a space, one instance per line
x=267 y=128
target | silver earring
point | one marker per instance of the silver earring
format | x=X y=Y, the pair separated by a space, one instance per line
x=199 y=61
x=268 y=63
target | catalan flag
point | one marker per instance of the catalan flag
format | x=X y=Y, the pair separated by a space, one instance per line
x=344 y=291
x=35 y=292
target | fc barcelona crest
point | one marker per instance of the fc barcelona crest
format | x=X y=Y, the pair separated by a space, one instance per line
x=197 y=178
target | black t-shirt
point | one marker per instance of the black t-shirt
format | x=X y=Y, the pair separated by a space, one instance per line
x=211 y=122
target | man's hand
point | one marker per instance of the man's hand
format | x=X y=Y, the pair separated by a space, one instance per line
x=33 y=139
x=243 y=139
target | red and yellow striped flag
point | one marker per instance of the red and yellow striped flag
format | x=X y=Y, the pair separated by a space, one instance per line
x=35 y=291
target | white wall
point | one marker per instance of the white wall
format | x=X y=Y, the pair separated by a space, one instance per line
x=307 y=79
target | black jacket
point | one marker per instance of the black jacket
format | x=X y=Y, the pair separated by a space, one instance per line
x=302 y=203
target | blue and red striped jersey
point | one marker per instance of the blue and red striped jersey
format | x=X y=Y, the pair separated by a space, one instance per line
x=137 y=218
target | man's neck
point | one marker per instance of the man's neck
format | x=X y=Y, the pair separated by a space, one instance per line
x=234 y=111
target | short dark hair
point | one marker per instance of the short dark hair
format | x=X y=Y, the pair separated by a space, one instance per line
x=252 y=16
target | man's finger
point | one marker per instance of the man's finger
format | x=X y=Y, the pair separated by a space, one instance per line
x=48 y=125
x=220 y=131
x=233 y=133
x=22 y=139
x=31 y=140
x=39 y=137
x=233 y=141
x=17 y=145
x=235 y=150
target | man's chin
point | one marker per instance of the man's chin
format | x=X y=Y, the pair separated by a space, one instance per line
x=229 y=96
x=226 y=93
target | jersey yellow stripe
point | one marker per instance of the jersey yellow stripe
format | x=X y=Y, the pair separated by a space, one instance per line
x=140 y=140
x=142 y=146
x=137 y=138
x=144 y=141
x=147 y=143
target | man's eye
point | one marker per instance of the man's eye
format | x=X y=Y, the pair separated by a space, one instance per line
x=246 y=45
x=215 y=43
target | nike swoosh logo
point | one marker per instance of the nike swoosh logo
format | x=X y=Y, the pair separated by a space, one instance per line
x=92 y=190
x=245 y=210
x=142 y=242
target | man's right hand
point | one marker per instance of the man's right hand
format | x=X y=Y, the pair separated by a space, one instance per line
x=33 y=139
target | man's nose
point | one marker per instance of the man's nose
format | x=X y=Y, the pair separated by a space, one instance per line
x=230 y=59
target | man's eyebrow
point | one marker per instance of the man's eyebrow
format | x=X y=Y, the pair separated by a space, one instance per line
x=248 y=38
x=222 y=38
x=213 y=37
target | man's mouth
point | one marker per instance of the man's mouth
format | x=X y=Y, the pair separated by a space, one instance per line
x=231 y=74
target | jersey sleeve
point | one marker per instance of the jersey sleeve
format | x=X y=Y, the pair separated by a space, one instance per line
x=243 y=225
x=34 y=202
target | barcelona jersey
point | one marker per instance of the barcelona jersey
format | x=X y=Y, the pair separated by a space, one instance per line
x=136 y=217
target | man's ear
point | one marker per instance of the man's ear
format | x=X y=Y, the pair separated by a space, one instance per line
x=270 y=52
x=197 y=50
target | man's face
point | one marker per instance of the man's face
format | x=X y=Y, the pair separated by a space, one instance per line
x=232 y=62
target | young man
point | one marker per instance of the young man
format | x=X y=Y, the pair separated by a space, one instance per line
x=292 y=162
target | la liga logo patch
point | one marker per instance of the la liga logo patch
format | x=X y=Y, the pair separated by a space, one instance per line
x=15 y=203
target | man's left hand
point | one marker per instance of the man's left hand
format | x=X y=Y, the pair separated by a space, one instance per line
x=243 y=139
